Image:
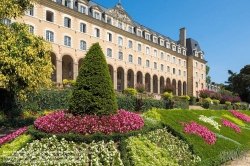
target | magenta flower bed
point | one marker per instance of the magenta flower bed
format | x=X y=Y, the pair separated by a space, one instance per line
x=13 y=135
x=61 y=122
x=240 y=116
x=231 y=125
x=204 y=132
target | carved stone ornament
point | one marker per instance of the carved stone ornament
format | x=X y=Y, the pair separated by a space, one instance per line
x=120 y=14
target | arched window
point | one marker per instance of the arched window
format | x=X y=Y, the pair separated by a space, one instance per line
x=31 y=29
x=173 y=70
x=120 y=41
x=82 y=45
x=67 y=41
x=147 y=50
x=155 y=53
x=162 y=67
x=120 y=56
x=109 y=52
x=155 y=65
x=130 y=44
x=139 y=47
x=147 y=63
x=130 y=58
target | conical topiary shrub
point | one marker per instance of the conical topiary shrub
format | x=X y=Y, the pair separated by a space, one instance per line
x=93 y=91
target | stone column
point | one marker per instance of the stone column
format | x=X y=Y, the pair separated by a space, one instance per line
x=151 y=85
x=159 y=86
x=125 y=80
x=115 y=79
x=75 y=72
x=59 y=71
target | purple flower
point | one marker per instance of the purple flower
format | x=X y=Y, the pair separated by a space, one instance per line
x=13 y=135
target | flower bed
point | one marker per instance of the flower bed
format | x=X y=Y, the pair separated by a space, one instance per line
x=61 y=122
x=240 y=116
x=194 y=128
x=51 y=151
x=231 y=125
x=13 y=135
x=210 y=121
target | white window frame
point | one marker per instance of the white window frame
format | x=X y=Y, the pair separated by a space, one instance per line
x=83 y=45
x=130 y=58
x=139 y=60
x=109 y=52
x=147 y=63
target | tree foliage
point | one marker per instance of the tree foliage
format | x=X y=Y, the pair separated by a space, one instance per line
x=240 y=83
x=25 y=62
x=93 y=92
x=208 y=78
x=14 y=8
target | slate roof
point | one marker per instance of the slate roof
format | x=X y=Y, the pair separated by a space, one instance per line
x=191 y=45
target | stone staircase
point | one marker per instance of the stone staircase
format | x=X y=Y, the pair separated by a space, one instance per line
x=195 y=107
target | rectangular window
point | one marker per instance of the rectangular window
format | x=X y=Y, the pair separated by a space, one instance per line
x=82 y=27
x=67 y=22
x=139 y=60
x=83 y=9
x=109 y=52
x=97 y=32
x=179 y=62
x=179 y=72
x=162 y=43
x=109 y=37
x=155 y=40
x=120 y=56
x=50 y=36
x=147 y=37
x=168 y=45
x=168 y=69
x=173 y=60
x=147 y=50
x=168 y=57
x=67 y=41
x=185 y=63
x=173 y=48
x=31 y=12
x=130 y=29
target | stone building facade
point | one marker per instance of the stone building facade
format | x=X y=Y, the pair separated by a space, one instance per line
x=134 y=53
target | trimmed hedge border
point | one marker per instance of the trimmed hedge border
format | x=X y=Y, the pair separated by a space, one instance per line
x=97 y=136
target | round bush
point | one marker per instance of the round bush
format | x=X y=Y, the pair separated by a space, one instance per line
x=62 y=122
x=216 y=102
x=167 y=95
x=130 y=91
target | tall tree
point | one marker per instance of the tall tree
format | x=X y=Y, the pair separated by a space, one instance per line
x=93 y=91
x=240 y=83
x=25 y=62
x=208 y=78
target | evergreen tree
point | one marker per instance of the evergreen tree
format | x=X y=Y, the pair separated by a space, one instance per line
x=93 y=92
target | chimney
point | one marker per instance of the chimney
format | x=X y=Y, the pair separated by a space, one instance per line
x=183 y=36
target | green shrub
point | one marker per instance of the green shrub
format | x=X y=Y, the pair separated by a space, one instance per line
x=167 y=95
x=244 y=106
x=192 y=100
x=206 y=102
x=93 y=92
x=126 y=103
x=130 y=91
x=153 y=114
x=181 y=104
x=228 y=103
x=216 y=107
x=216 y=102
x=185 y=97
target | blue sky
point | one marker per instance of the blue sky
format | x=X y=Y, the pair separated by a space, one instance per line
x=222 y=27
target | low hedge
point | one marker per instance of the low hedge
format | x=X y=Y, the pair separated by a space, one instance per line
x=16 y=122
x=150 y=125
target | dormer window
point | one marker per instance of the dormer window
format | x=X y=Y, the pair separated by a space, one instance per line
x=184 y=52
x=173 y=48
x=97 y=15
x=162 y=43
x=139 y=33
x=179 y=50
x=130 y=29
x=83 y=9
x=109 y=21
x=196 y=54
x=168 y=45
x=120 y=25
x=67 y=3
x=155 y=40
x=147 y=37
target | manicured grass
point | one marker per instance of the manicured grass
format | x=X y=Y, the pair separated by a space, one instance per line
x=210 y=154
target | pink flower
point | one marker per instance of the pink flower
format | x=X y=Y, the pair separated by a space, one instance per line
x=240 y=116
x=13 y=135
x=231 y=125
x=62 y=122
x=205 y=133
